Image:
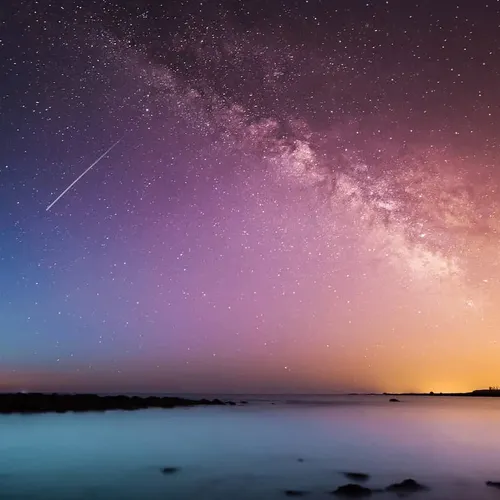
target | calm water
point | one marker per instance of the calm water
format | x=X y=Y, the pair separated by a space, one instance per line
x=251 y=452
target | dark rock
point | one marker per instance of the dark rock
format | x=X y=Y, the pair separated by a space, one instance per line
x=60 y=403
x=244 y=402
x=170 y=470
x=352 y=491
x=295 y=493
x=493 y=484
x=300 y=459
x=394 y=400
x=357 y=476
x=406 y=486
x=231 y=403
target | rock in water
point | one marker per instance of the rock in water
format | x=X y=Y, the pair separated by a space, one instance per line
x=170 y=470
x=406 y=486
x=394 y=400
x=493 y=484
x=352 y=491
x=295 y=493
x=357 y=476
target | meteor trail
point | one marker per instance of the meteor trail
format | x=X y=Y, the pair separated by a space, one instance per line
x=81 y=175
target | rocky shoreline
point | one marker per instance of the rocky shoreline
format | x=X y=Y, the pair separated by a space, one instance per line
x=62 y=403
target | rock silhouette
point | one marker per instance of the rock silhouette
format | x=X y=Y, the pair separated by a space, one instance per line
x=406 y=486
x=61 y=403
x=295 y=493
x=357 y=476
x=352 y=491
x=394 y=400
x=493 y=484
x=170 y=470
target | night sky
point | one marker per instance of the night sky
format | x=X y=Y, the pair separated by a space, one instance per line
x=302 y=196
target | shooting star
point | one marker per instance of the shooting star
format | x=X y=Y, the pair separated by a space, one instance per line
x=81 y=175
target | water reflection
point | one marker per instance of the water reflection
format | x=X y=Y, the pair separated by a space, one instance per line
x=452 y=444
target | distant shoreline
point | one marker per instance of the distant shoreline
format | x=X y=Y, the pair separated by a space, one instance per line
x=62 y=403
x=480 y=393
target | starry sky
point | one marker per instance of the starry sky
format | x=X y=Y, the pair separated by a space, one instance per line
x=299 y=196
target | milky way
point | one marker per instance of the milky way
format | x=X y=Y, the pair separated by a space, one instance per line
x=313 y=190
x=412 y=203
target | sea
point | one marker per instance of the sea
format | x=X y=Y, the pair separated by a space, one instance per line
x=257 y=450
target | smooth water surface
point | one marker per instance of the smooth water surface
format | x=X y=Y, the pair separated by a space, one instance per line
x=252 y=452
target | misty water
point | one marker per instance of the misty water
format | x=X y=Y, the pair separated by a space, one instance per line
x=251 y=452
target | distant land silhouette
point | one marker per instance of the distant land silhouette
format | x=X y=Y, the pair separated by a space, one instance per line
x=492 y=392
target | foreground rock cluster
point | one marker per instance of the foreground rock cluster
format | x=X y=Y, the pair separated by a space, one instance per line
x=355 y=490
x=61 y=403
